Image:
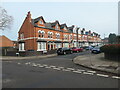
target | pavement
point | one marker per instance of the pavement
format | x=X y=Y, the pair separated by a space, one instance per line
x=97 y=62
x=24 y=58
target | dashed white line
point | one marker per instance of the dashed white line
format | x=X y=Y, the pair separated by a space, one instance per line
x=77 y=71
x=27 y=63
x=102 y=75
x=34 y=65
x=38 y=64
x=41 y=66
x=80 y=70
x=87 y=73
x=45 y=65
x=57 y=68
x=91 y=71
x=116 y=77
x=66 y=70
x=19 y=63
x=52 y=66
x=71 y=68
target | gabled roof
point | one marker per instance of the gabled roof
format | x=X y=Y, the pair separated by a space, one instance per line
x=48 y=25
x=37 y=19
x=63 y=25
x=71 y=28
x=54 y=23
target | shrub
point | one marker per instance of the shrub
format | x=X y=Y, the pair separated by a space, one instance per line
x=111 y=48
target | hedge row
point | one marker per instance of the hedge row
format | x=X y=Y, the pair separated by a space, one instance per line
x=111 y=48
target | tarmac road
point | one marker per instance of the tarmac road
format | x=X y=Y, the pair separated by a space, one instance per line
x=53 y=72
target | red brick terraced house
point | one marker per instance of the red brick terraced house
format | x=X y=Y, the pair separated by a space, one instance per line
x=38 y=36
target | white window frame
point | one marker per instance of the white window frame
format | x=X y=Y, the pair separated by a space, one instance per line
x=56 y=27
x=21 y=46
x=41 y=46
x=41 y=22
x=22 y=36
x=65 y=28
x=58 y=45
x=41 y=32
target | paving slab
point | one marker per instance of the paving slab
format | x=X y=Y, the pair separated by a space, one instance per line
x=97 y=62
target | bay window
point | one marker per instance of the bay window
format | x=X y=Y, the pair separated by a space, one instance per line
x=41 y=46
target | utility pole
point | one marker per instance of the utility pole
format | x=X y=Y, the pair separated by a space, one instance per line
x=104 y=40
x=77 y=28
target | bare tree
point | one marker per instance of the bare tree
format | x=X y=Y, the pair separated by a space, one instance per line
x=5 y=19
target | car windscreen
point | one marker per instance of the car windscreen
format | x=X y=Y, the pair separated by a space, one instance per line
x=65 y=48
x=60 y=49
x=96 y=47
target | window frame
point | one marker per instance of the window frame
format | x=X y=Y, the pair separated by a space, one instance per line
x=21 y=46
x=41 y=46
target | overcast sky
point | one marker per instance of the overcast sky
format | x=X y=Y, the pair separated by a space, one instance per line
x=100 y=17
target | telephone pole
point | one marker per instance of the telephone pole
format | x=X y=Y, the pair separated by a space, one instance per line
x=77 y=28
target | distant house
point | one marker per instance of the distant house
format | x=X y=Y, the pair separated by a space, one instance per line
x=105 y=41
x=5 y=42
x=7 y=46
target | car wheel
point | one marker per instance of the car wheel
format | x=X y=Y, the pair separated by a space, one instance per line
x=71 y=52
x=64 y=53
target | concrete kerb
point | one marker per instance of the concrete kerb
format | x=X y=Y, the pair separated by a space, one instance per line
x=94 y=68
x=28 y=57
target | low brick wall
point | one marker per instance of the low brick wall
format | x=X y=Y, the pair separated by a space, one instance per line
x=35 y=53
x=8 y=51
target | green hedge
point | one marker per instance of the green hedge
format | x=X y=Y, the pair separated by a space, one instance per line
x=111 y=51
x=111 y=48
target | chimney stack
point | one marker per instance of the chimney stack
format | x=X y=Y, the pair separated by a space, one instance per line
x=29 y=16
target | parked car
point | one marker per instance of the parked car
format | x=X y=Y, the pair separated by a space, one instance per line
x=64 y=51
x=96 y=50
x=89 y=47
x=77 y=49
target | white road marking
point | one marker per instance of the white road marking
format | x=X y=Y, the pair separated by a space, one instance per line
x=102 y=75
x=71 y=68
x=19 y=63
x=87 y=73
x=41 y=66
x=57 y=68
x=45 y=65
x=52 y=66
x=116 y=77
x=66 y=70
x=34 y=65
x=80 y=70
x=91 y=71
x=77 y=71
x=26 y=63
x=38 y=64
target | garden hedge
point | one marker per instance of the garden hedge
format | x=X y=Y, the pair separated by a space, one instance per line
x=111 y=51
